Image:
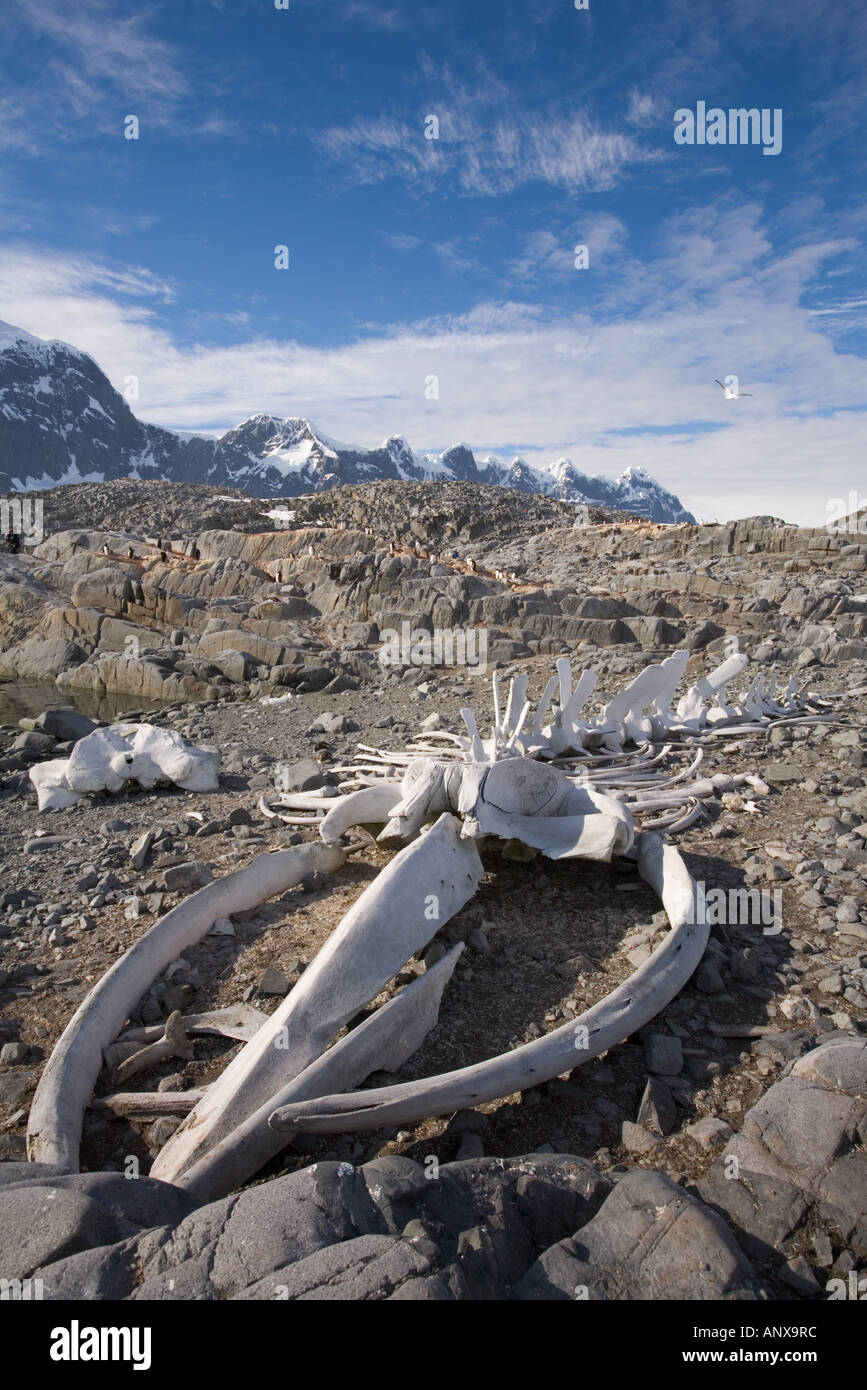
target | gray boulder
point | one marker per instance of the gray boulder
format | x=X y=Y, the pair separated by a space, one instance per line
x=801 y=1148
x=650 y=1240
x=65 y=723
x=46 y=1217
x=41 y=658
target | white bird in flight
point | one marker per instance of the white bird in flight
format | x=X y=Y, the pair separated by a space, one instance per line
x=732 y=393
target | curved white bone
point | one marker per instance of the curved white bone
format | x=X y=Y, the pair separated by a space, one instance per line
x=57 y=1112
x=612 y=1020
x=383 y=1042
x=370 y=805
x=423 y=886
x=173 y=1043
x=675 y=820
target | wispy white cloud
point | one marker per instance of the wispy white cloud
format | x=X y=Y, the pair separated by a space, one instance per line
x=643 y=109
x=845 y=308
x=486 y=145
x=456 y=256
x=366 y=12
x=94 y=44
x=517 y=376
x=401 y=241
x=377 y=16
x=550 y=255
x=84 y=67
x=125 y=224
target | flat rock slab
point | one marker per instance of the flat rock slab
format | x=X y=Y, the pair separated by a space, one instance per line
x=39 y=1225
x=542 y=1226
x=801 y=1148
x=650 y=1240
x=302 y=776
x=777 y=773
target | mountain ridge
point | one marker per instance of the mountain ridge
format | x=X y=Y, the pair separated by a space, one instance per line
x=62 y=421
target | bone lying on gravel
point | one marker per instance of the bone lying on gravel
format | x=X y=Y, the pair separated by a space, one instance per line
x=516 y=798
x=149 y=1105
x=613 y=750
x=173 y=1043
x=612 y=1020
x=640 y=712
x=54 y=1127
x=419 y=891
x=238 y=1021
x=574 y=822
x=107 y=758
x=383 y=1042
x=570 y=788
x=369 y=806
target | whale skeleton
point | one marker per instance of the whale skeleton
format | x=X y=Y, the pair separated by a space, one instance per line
x=565 y=786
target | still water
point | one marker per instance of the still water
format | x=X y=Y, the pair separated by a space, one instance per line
x=20 y=699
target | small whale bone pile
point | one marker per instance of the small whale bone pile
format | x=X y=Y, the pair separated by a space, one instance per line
x=107 y=759
x=569 y=789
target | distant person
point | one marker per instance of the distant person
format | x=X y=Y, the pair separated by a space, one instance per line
x=13 y=541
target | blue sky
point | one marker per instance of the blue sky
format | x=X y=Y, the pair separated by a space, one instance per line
x=411 y=258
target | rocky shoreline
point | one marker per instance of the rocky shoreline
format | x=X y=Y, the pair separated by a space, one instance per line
x=193 y=616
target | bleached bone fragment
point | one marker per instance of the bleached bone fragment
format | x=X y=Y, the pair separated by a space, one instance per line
x=149 y=1105
x=419 y=891
x=516 y=798
x=173 y=1043
x=107 y=758
x=515 y=703
x=710 y=687
x=118 y=1052
x=660 y=706
x=371 y=805
x=54 y=1126
x=544 y=702
x=534 y=803
x=424 y=793
x=624 y=716
x=759 y=786
x=567 y=730
x=238 y=1021
x=675 y=820
x=49 y=779
x=639 y=714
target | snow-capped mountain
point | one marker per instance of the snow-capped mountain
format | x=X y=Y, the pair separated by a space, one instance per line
x=62 y=421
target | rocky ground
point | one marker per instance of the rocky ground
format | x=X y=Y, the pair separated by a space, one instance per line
x=761 y=1058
